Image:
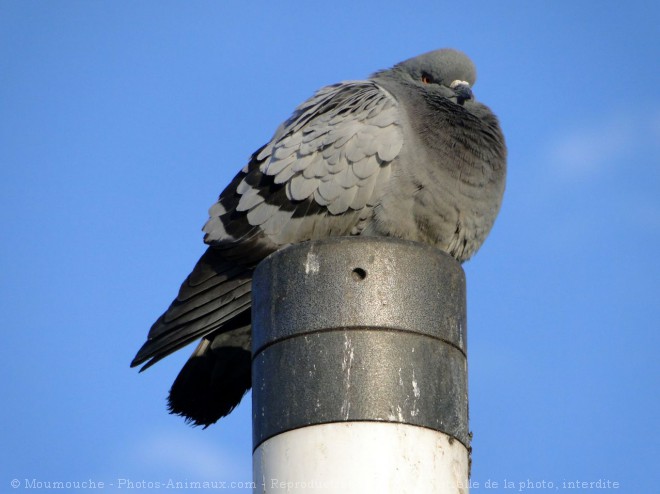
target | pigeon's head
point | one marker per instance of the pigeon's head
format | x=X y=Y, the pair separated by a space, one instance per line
x=445 y=70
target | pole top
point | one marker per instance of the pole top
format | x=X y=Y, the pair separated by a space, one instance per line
x=359 y=282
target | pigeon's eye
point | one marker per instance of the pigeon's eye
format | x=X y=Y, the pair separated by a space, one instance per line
x=427 y=79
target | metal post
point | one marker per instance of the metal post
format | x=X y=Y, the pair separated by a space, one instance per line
x=359 y=369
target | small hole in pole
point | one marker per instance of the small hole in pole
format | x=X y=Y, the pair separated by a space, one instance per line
x=359 y=274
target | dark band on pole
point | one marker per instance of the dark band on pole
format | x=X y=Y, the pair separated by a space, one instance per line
x=359 y=329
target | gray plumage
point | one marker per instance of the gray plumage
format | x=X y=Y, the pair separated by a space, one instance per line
x=408 y=153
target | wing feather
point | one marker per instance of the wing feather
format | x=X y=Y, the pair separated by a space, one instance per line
x=349 y=126
x=214 y=293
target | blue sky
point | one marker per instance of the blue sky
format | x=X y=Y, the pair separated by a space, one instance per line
x=120 y=123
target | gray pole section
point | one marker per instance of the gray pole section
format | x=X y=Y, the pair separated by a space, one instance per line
x=359 y=369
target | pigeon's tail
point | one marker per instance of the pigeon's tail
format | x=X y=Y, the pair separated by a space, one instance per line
x=213 y=304
x=216 y=376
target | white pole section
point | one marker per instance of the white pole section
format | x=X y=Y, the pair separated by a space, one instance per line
x=359 y=369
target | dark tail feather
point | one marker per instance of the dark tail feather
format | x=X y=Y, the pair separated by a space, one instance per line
x=216 y=377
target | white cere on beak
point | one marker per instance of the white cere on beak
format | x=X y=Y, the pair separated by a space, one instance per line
x=457 y=83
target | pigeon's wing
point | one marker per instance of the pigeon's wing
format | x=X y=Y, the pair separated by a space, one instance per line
x=213 y=295
x=319 y=176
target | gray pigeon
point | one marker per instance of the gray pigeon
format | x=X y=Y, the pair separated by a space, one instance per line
x=407 y=153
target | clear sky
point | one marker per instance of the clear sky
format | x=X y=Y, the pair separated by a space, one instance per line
x=121 y=122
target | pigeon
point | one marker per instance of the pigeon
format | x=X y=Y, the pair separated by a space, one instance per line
x=407 y=153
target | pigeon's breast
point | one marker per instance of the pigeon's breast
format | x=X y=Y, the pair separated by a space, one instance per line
x=448 y=181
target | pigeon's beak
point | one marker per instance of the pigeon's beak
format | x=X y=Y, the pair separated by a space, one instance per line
x=462 y=90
